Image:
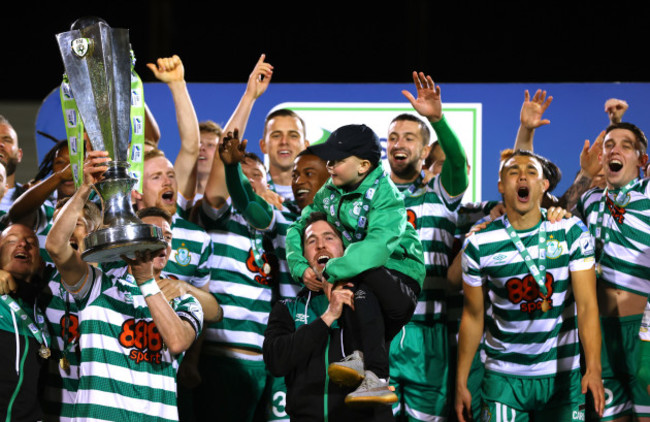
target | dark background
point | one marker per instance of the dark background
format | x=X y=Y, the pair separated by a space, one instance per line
x=341 y=41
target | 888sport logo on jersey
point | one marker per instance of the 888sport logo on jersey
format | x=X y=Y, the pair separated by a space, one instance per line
x=143 y=337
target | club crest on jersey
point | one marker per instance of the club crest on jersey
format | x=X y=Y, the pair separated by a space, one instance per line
x=183 y=256
x=553 y=249
x=622 y=201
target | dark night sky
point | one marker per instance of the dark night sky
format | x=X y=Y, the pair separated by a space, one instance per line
x=342 y=41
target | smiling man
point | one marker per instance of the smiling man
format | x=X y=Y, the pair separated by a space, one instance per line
x=304 y=335
x=20 y=266
x=419 y=369
x=132 y=329
x=308 y=176
x=191 y=245
x=10 y=156
x=530 y=288
x=619 y=219
x=283 y=139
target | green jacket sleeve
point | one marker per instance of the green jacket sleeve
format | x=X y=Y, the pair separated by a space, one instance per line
x=454 y=170
x=386 y=224
x=293 y=244
x=257 y=212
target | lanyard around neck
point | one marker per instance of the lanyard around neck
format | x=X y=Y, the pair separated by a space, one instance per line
x=362 y=221
x=538 y=270
x=38 y=328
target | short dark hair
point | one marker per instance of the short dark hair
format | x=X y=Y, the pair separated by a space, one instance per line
x=284 y=112
x=551 y=172
x=254 y=157
x=638 y=133
x=154 y=212
x=424 y=129
x=319 y=216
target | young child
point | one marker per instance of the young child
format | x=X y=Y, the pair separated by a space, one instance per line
x=383 y=257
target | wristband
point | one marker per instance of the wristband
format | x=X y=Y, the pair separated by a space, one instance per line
x=149 y=288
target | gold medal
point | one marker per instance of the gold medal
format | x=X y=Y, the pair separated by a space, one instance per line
x=64 y=363
x=266 y=268
x=545 y=305
x=44 y=351
x=599 y=270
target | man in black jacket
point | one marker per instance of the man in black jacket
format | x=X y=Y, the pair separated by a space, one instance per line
x=303 y=337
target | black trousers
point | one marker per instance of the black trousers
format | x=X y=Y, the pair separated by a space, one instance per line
x=384 y=301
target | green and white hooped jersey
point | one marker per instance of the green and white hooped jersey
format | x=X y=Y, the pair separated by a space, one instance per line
x=61 y=385
x=191 y=252
x=288 y=288
x=625 y=260
x=242 y=288
x=432 y=212
x=126 y=372
x=520 y=339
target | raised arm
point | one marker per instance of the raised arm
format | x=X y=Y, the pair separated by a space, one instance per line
x=170 y=70
x=615 y=109
x=257 y=212
x=24 y=209
x=428 y=104
x=258 y=82
x=67 y=259
x=532 y=111
x=151 y=129
x=590 y=166
x=178 y=334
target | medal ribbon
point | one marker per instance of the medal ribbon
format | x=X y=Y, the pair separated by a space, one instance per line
x=538 y=270
x=38 y=329
x=74 y=129
x=258 y=249
x=362 y=221
x=416 y=183
x=67 y=345
x=602 y=234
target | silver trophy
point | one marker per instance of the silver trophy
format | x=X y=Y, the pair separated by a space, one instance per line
x=98 y=64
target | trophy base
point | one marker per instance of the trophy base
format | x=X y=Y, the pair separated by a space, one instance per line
x=109 y=244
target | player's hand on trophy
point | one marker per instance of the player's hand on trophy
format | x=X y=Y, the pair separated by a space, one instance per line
x=142 y=265
x=95 y=166
x=231 y=150
x=168 y=69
